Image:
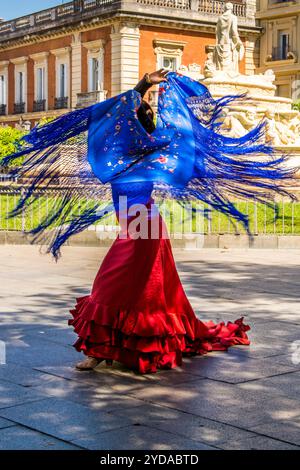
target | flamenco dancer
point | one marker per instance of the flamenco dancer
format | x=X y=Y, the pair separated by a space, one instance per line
x=137 y=312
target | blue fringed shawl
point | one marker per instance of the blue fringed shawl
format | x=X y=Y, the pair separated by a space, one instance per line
x=186 y=157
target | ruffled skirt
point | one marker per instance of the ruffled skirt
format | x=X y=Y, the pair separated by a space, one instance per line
x=138 y=313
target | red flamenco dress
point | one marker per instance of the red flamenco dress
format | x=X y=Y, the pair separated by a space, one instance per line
x=138 y=313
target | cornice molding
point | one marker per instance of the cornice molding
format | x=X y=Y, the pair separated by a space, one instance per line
x=171 y=43
x=62 y=51
x=94 y=45
x=19 y=60
x=186 y=25
x=39 y=56
x=63 y=32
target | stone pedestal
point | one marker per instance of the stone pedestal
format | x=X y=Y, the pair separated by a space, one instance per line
x=259 y=88
x=282 y=121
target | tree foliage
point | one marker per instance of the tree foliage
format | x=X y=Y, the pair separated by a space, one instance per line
x=9 y=136
x=296 y=105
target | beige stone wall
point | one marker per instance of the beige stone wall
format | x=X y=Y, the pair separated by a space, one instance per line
x=76 y=68
x=275 y=18
x=251 y=54
x=125 y=47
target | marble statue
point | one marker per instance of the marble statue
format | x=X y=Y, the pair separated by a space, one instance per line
x=274 y=135
x=191 y=70
x=209 y=65
x=238 y=123
x=229 y=49
x=294 y=125
x=231 y=126
x=222 y=77
x=285 y=131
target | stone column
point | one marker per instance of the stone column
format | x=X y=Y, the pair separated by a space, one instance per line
x=269 y=39
x=251 y=55
x=76 y=68
x=294 y=38
x=125 y=39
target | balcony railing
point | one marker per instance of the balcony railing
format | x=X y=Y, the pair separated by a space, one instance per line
x=39 y=105
x=57 y=14
x=89 y=98
x=68 y=13
x=211 y=7
x=282 y=53
x=61 y=103
x=19 y=108
x=2 y=109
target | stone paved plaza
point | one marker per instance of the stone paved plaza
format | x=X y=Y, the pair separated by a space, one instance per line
x=247 y=398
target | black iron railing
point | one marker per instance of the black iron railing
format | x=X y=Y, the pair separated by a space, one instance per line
x=281 y=53
x=61 y=103
x=39 y=105
x=19 y=108
x=2 y=109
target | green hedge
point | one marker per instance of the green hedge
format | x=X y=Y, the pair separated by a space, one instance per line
x=261 y=217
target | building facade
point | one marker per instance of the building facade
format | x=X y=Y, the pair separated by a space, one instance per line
x=280 y=44
x=84 y=51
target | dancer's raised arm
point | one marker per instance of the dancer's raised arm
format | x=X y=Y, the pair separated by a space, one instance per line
x=145 y=112
x=150 y=79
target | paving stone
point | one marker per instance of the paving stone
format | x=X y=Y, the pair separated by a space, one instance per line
x=21 y=438
x=289 y=360
x=94 y=396
x=64 y=336
x=25 y=376
x=220 y=402
x=28 y=333
x=13 y=394
x=287 y=385
x=263 y=347
x=102 y=377
x=63 y=419
x=183 y=424
x=258 y=443
x=118 y=378
x=139 y=438
x=4 y=423
x=275 y=409
x=287 y=430
x=203 y=389
x=249 y=398
x=36 y=351
x=276 y=329
x=171 y=376
x=233 y=368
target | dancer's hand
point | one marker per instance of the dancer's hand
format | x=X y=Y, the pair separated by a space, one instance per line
x=158 y=76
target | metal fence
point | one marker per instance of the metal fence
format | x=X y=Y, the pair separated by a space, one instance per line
x=189 y=218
